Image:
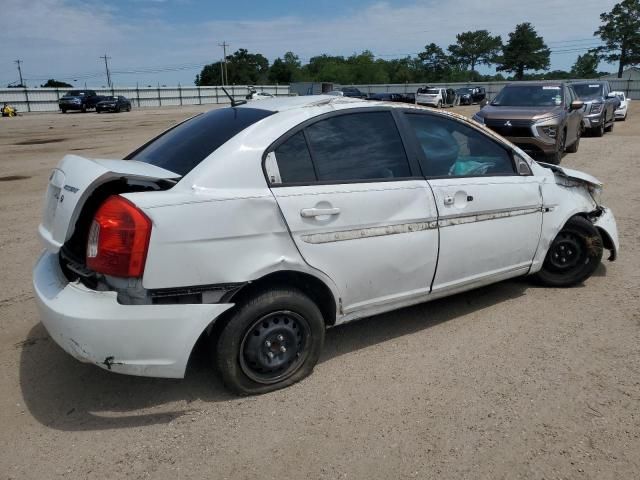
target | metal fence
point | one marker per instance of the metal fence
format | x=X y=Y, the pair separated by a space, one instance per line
x=46 y=99
x=630 y=87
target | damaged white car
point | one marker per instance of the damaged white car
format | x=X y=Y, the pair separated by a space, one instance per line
x=258 y=226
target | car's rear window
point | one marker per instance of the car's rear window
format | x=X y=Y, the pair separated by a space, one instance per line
x=182 y=148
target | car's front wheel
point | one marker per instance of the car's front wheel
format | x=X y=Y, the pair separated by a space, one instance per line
x=271 y=341
x=556 y=156
x=573 y=256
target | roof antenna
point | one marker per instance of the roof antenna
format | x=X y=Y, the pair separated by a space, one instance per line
x=234 y=103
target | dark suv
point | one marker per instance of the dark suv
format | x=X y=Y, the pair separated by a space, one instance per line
x=600 y=105
x=544 y=119
x=82 y=100
x=471 y=95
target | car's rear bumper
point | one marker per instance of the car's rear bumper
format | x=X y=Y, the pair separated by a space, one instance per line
x=70 y=106
x=146 y=340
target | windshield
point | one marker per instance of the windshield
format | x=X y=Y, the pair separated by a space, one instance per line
x=464 y=91
x=588 y=90
x=109 y=99
x=529 y=96
x=183 y=147
x=75 y=93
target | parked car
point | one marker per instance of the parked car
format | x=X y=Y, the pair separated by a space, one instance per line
x=600 y=105
x=352 y=92
x=256 y=227
x=544 y=119
x=471 y=95
x=82 y=100
x=255 y=95
x=431 y=96
x=113 y=104
x=387 y=97
x=623 y=109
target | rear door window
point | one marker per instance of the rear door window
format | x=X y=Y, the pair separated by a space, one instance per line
x=357 y=146
x=183 y=147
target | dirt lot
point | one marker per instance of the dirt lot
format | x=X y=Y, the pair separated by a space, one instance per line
x=510 y=381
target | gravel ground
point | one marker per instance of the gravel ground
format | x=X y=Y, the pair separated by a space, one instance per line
x=509 y=381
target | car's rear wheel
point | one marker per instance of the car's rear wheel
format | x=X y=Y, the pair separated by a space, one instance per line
x=439 y=105
x=573 y=256
x=128 y=108
x=271 y=341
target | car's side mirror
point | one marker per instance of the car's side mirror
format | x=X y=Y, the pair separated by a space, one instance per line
x=577 y=104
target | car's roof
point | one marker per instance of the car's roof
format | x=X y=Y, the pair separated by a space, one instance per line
x=585 y=82
x=282 y=104
x=533 y=83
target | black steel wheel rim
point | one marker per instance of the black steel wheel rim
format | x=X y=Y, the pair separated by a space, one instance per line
x=567 y=252
x=275 y=346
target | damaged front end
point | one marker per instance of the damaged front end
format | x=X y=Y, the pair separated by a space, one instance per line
x=577 y=193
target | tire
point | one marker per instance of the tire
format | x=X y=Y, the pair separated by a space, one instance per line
x=118 y=110
x=83 y=108
x=252 y=339
x=573 y=256
x=64 y=110
x=128 y=108
x=574 y=147
x=439 y=105
x=599 y=131
x=556 y=157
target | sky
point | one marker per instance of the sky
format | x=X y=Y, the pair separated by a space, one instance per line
x=168 y=41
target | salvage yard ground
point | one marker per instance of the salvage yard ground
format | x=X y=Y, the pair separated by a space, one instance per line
x=509 y=381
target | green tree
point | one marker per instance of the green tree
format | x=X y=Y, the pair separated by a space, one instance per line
x=525 y=50
x=243 y=68
x=209 y=75
x=475 y=48
x=620 y=33
x=51 y=83
x=586 y=66
x=286 y=69
x=435 y=64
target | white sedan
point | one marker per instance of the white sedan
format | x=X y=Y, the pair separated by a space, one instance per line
x=259 y=226
x=623 y=110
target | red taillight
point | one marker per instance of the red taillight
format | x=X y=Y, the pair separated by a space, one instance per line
x=118 y=239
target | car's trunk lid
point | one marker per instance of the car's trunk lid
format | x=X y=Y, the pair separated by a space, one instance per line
x=72 y=182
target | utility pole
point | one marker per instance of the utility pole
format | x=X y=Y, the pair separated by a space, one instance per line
x=106 y=67
x=224 y=46
x=221 y=72
x=18 y=62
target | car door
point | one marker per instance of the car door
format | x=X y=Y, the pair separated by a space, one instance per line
x=489 y=215
x=357 y=207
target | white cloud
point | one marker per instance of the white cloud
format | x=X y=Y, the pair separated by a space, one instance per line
x=55 y=37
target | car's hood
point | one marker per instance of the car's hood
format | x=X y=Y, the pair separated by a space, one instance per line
x=572 y=174
x=493 y=112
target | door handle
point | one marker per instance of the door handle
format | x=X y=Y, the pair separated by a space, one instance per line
x=318 y=212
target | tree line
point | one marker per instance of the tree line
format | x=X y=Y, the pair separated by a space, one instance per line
x=523 y=52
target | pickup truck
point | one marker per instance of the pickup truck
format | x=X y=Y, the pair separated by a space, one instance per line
x=600 y=105
x=82 y=100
